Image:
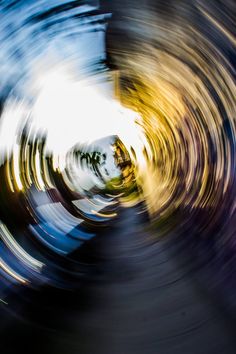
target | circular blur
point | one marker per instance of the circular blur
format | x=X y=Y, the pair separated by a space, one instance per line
x=88 y=131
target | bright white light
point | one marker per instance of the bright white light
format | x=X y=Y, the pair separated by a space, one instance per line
x=71 y=112
x=74 y=112
x=12 y=120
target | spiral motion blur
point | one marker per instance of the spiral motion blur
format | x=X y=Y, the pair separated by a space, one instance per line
x=117 y=169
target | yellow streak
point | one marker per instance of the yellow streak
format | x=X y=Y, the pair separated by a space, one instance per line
x=218 y=25
x=112 y=215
